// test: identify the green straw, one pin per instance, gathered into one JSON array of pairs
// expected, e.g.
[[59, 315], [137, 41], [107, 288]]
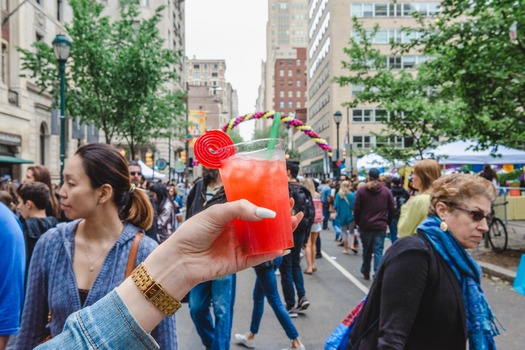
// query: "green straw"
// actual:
[[274, 133]]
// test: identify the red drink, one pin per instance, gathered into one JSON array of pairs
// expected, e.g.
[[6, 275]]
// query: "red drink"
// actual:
[[264, 182]]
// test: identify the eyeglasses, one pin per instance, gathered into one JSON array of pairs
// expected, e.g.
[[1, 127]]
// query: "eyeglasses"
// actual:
[[133, 173], [476, 215]]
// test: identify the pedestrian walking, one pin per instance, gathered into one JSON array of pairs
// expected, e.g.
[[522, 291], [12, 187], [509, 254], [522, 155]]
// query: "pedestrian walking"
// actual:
[[291, 274], [266, 286], [415, 210], [427, 292], [219, 293], [374, 209], [310, 250], [401, 196], [344, 209]]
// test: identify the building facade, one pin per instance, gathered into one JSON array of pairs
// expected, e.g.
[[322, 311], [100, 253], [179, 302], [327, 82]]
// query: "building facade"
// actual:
[[329, 32], [29, 126]]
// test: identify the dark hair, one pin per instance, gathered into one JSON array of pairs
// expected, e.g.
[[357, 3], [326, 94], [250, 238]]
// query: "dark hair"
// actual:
[[293, 166], [36, 192], [104, 164], [7, 199], [487, 172], [41, 174], [162, 194]]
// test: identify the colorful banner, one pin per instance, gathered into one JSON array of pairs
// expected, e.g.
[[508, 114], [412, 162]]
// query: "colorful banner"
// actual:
[[197, 127]]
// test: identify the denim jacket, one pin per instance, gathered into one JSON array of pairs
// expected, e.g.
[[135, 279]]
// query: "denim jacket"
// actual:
[[52, 286], [106, 325]]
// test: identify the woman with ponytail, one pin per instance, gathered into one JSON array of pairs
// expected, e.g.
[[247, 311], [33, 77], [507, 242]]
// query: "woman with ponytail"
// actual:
[[79, 262]]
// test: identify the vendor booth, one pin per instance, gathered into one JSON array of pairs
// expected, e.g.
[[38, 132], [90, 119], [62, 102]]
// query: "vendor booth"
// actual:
[[460, 154]]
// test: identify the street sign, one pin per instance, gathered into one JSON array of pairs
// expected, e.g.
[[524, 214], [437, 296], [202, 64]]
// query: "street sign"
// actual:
[[161, 163]]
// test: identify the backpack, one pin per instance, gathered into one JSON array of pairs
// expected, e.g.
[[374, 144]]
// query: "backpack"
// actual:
[[302, 202]]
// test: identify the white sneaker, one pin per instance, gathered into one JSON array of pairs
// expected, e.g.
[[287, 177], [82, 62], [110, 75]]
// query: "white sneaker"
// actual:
[[243, 340], [299, 348]]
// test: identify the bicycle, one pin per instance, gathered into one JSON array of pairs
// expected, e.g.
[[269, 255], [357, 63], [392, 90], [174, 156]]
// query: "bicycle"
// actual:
[[497, 234]]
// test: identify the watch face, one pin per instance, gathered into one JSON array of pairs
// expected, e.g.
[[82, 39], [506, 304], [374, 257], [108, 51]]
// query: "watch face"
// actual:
[[152, 291]]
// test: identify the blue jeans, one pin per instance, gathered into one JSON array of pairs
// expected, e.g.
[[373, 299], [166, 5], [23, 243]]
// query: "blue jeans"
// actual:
[[337, 229], [373, 242], [221, 293], [291, 274], [393, 230], [266, 286]]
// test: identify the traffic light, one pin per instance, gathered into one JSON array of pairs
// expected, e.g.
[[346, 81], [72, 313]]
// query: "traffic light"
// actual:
[[149, 159], [183, 156]]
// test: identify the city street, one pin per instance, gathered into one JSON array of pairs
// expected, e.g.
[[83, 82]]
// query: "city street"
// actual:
[[333, 291]]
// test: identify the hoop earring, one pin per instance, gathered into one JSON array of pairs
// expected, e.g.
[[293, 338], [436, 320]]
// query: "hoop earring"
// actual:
[[443, 226]]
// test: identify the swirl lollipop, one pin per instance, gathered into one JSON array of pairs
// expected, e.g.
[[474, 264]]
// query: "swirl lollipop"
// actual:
[[210, 148]]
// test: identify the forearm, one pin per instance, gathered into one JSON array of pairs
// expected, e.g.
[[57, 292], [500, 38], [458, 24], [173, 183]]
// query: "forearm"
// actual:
[[3, 341]]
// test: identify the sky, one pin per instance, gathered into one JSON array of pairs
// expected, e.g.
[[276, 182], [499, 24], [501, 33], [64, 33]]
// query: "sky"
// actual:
[[233, 30]]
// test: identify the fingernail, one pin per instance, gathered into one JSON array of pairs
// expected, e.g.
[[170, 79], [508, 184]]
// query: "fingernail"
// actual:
[[264, 213]]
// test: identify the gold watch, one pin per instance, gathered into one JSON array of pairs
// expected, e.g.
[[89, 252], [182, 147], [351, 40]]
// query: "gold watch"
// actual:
[[154, 292]]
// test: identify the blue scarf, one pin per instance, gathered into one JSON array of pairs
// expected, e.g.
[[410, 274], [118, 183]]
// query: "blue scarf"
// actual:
[[480, 319]]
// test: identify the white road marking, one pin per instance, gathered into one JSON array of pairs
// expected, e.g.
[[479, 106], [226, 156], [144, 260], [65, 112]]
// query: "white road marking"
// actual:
[[345, 273]]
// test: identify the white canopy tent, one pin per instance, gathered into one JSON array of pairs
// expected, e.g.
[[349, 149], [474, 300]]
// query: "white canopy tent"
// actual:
[[149, 173], [459, 152], [374, 160]]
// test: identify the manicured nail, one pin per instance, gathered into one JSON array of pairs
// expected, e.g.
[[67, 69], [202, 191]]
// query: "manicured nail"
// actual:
[[264, 213]]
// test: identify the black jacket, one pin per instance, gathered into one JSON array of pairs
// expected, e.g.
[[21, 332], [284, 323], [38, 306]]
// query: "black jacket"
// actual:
[[197, 199], [415, 302]]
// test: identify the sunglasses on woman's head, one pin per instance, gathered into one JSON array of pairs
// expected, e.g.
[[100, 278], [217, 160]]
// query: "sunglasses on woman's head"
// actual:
[[476, 215]]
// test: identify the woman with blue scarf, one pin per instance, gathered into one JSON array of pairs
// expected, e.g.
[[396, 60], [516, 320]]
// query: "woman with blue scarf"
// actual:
[[427, 292]]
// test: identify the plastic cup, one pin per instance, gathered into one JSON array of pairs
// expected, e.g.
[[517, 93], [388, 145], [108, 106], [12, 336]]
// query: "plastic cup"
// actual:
[[259, 175]]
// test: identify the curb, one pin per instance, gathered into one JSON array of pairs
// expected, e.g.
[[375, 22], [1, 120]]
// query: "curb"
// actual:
[[497, 271]]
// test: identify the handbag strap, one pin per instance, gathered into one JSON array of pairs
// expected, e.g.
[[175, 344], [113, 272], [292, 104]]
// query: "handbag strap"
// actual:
[[133, 253]]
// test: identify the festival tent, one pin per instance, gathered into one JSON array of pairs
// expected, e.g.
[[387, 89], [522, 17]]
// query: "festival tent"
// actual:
[[461, 152], [149, 173], [374, 160]]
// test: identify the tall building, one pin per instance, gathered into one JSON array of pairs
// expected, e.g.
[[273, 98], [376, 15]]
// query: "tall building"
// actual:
[[29, 128], [286, 32], [290, 83], [329, 31], [212, 101]]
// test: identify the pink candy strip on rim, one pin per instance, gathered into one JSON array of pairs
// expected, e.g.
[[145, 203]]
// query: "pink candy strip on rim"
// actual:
[[210, 148]]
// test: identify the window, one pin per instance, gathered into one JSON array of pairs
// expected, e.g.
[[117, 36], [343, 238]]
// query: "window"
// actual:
[[368, 10], [361, 141], [214, 74], [290, 94], [281, 94], [381, 115], [394, 62], [290, 104], [290, 73], [215, 66], [4, 63], [298, 83], [196, 74], [297, 62], [59, 10], [381, 10], [298, 104], [298, 94], [281, 104], [281, 73], [409, 62], [196, 66], [144, 3]]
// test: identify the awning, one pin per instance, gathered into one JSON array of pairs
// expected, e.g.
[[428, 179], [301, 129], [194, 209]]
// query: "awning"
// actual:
[[14, 160]]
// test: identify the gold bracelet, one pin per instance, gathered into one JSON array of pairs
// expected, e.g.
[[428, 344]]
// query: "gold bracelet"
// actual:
[[154, 292]]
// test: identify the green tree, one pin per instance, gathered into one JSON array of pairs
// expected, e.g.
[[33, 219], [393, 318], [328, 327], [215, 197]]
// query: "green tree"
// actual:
[[477, 62], [412, 111], [119, 75]]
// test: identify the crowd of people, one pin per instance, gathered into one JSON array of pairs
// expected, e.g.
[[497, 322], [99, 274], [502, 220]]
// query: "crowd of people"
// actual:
[[71, 252]]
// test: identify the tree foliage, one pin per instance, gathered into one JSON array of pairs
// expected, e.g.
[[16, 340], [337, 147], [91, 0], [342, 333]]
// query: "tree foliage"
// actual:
[[413, 111], [477, 62], [119, 75]]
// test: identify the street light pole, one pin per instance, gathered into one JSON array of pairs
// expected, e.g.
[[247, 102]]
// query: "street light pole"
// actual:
[[338, 116], [350, 143], [61, 49]]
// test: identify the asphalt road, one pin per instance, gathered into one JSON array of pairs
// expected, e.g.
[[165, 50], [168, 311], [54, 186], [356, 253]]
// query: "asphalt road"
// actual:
[[333, 290]]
